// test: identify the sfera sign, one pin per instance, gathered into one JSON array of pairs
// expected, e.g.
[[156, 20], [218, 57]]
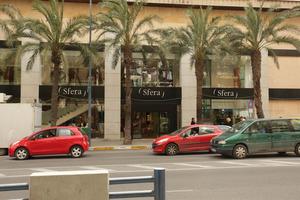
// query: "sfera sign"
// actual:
[[151, 92], [225, 93], [228, 93], [72, 92]]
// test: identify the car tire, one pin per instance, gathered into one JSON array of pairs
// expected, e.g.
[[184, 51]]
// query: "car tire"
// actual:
[[76, 151], [21, 153], [172, 149], [240, 151], [297, 149]]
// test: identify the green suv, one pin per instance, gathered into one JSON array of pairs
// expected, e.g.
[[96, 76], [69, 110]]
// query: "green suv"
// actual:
[[259, 136]]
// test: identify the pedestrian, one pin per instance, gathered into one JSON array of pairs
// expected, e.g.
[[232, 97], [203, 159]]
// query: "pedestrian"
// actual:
[[193, 121]]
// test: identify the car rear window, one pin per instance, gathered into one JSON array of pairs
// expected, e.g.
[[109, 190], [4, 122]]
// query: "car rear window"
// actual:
[[296, 124], [64, 132]]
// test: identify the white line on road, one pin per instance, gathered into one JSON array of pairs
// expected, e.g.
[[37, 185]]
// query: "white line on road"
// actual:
[[96, 168], [193, 165], [143, 166], [279, 162], [41, 170], [171, 191], [237, 163]]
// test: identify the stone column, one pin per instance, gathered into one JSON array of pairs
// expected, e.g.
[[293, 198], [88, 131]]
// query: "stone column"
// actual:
[[112, 97], [30, 78], [189, 90], [264, 82]]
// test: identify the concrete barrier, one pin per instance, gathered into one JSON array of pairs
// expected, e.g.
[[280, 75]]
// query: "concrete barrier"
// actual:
[[69, 185]]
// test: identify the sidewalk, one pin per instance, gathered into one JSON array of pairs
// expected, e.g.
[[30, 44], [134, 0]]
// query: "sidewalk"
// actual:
[[99, 144]]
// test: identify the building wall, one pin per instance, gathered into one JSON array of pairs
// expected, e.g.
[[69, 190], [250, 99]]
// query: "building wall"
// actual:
[[284, 108]]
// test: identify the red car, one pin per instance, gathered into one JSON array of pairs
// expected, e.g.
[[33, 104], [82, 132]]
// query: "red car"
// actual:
[[52, 140], [187, 139]]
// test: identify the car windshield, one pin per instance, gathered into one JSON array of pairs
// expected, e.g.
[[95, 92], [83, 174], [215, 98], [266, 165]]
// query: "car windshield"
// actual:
[[178, 131], [238, 126]]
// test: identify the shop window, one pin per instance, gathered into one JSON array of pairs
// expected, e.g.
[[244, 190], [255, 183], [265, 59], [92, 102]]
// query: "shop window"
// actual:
[[152, 72], [73, 71], [228, 72], [10, 69]]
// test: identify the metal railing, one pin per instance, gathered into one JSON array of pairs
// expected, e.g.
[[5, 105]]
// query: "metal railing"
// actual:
[[158, 192]]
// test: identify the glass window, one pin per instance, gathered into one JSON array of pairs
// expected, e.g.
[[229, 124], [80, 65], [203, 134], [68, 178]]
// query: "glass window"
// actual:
[[10, 69], [64, 132], [228, 72], [150, 71], [296, 124], [258, 127], [73, 71], [206, 130], [45, 134], [280, 126]]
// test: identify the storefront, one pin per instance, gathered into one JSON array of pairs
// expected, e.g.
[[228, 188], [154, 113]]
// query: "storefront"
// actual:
[[155, 111]]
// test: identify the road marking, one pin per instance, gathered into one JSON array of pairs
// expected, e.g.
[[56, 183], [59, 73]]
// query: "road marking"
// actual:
[[279, 162], [171, 191], [238, 163], [96, 168], [193, 165], [143, 166], [42, 170]]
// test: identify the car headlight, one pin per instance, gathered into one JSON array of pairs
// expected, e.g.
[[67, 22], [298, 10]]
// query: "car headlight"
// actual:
[[222, 142], [162, 140]]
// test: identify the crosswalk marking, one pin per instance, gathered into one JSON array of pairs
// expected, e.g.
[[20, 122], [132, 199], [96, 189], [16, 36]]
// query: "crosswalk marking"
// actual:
[[238, 163], [142, 166], [148, 167], [282, 162], [41, 170], [96, 168], [193, 165]]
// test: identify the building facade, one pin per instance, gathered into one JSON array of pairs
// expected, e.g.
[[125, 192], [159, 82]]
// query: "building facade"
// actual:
[[164, 94]]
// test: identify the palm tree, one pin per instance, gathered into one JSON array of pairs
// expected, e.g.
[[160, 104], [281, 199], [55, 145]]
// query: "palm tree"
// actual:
[[47, 36], [121, 20], [200, 38], [255, 31]]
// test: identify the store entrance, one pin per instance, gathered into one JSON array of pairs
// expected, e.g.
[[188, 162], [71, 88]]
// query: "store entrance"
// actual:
[[151, 124]]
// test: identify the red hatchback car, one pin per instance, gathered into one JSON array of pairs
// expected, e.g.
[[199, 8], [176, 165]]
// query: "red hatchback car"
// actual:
[[187, 139], [52, 140]]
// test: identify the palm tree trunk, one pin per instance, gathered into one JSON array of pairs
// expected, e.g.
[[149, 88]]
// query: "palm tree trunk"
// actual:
[[199, 67], [128, 91], [56, 60], [256, 72]]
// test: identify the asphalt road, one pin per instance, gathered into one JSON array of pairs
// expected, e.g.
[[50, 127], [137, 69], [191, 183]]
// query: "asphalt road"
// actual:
[[188, 177]]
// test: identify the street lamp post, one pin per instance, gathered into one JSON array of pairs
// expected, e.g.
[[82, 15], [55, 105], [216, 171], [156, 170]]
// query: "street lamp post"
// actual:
[[90, 77]]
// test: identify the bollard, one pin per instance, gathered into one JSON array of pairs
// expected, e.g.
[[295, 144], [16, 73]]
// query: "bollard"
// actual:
[[159, 184]]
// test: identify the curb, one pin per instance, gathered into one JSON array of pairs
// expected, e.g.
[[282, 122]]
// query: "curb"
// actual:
[[124, 147]]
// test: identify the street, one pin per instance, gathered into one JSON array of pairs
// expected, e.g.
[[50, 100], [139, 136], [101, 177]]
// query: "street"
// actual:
[[188, 176]]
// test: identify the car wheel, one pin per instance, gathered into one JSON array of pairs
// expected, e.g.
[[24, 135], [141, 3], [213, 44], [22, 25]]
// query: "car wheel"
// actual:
[[240, 152], [297, 149], [76, 151], [21, 153], [172, 149]]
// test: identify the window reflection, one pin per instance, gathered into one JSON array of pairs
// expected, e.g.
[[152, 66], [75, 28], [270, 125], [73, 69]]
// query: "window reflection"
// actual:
[[152, 72], [10, 69], [228, 72], [73, 71]]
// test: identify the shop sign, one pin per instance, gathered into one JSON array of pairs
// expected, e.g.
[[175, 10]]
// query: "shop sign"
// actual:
[[228, 93], [70, 91], [77, 92], [151, 92], [155, 94]]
